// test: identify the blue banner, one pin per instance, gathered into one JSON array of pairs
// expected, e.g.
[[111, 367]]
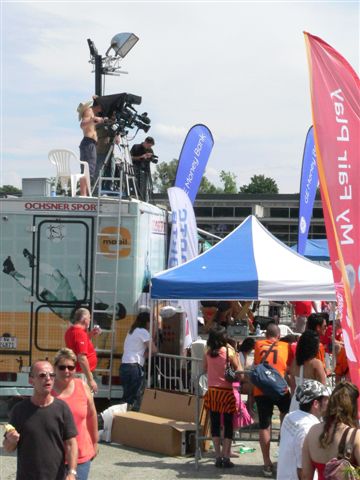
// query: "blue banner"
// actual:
[[193, 159], [308, 185]]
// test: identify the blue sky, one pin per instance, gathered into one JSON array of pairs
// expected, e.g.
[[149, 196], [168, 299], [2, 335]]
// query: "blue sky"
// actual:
[[238, 67]]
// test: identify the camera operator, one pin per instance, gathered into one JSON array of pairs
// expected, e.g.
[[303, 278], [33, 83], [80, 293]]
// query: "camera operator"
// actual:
[[88, 120], [142, 154]]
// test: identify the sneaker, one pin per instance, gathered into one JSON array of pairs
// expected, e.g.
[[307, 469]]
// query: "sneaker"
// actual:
[[8, 266], [219, 462], [227, 463], [268, 470], [30, 257]]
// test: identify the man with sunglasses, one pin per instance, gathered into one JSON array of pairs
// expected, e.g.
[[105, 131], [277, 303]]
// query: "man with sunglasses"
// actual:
[[43, 431]]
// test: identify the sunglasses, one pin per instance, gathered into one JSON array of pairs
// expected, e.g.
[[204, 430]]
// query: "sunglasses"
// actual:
[[43, 375], [71, 368]]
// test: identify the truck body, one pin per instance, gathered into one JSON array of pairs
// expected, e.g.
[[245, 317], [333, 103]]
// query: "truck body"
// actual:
[[48, 247]]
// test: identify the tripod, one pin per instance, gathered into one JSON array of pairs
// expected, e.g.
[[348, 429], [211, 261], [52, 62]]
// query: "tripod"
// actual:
[[115, 170]]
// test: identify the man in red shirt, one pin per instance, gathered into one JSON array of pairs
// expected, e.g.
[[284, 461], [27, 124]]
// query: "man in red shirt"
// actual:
[[301, 311], [78, 339]]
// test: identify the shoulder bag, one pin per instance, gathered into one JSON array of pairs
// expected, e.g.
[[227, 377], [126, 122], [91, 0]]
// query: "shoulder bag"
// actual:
[[268, 379], [229, 374], [340, 468]]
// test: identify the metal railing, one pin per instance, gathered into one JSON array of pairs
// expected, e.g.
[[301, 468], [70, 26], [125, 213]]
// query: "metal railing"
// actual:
[[175, 373], [182, 374]]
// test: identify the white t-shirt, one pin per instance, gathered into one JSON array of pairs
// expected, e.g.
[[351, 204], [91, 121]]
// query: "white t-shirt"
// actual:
[[293, 431], [134, 346]]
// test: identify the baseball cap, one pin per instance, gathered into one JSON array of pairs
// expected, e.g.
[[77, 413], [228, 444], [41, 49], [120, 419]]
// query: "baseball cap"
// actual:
[[310, 390]]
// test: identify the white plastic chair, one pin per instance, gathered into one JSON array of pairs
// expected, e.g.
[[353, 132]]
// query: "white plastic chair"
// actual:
[[285, 330], [66, 162]]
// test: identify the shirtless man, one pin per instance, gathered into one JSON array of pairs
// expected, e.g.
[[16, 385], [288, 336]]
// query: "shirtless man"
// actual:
[[88, 120]]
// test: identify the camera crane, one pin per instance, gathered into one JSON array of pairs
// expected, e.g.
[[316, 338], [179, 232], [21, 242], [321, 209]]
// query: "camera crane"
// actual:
[[123, 116], [116, 176]]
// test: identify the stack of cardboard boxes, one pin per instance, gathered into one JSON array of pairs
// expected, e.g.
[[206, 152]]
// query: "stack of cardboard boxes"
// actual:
[[165, 424]]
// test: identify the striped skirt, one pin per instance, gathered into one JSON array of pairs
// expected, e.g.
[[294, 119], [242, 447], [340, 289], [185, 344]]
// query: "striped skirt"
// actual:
[[220, 400]]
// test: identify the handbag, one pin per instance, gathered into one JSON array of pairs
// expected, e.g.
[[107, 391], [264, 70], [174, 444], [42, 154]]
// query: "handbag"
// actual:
[[341, 468], [268, 379], [229, 374]]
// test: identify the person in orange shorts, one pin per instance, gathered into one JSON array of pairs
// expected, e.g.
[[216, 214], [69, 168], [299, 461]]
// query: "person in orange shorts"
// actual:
[[265, 405]]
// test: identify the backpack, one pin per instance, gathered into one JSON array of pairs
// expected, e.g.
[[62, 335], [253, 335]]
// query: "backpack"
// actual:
[[340, 468], [268, 379]]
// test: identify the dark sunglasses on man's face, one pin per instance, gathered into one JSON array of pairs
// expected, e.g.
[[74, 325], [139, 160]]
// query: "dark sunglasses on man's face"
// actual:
[[43, 375], [71, 368]]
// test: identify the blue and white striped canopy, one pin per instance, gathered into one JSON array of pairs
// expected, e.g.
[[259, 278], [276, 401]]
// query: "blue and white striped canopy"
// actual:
[[249, 264]]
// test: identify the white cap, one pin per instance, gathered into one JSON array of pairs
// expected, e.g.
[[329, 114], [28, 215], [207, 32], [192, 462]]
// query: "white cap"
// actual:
[[167, 312]]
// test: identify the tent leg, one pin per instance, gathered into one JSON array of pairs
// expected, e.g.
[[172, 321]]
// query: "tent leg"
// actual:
[[152, 307]]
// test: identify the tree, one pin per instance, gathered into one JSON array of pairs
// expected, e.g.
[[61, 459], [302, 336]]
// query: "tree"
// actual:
[[9, 190], [207, 187], [229, 181], [165, 174], [260, 184]]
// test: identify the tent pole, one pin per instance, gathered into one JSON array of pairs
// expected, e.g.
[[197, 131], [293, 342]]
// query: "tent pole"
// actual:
[[152, 306]]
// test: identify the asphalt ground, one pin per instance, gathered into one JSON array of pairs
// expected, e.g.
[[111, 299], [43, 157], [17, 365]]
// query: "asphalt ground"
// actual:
[[116, 462]]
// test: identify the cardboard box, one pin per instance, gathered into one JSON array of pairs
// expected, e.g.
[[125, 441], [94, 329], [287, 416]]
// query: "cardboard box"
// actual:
[[173, 334], [165, 424]]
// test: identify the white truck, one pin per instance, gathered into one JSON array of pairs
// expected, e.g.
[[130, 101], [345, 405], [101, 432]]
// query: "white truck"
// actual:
[[61, 253]]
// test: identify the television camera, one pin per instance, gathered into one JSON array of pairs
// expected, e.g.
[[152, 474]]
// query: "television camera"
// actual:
[[121, 112]]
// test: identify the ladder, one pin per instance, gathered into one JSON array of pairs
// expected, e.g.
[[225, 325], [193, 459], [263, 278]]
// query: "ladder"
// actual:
[[123, 184]]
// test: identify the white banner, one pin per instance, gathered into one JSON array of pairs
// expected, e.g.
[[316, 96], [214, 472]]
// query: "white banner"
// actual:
[[183, 247]]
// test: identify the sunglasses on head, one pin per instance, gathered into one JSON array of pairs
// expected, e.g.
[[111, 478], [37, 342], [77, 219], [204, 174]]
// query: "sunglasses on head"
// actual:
[[71, 368], [43, 375]]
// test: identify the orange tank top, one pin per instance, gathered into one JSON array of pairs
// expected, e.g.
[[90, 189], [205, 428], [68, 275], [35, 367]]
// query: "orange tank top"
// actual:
[[278, 357], [78, 404]]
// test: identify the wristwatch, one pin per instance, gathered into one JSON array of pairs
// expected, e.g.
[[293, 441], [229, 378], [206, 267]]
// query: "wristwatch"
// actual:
[[73, 472]]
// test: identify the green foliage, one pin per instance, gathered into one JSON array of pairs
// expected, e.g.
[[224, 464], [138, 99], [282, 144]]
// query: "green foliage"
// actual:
[[164, 177], [207, 187], [260, 184], [9, 190], [229, 181], [165, 173]]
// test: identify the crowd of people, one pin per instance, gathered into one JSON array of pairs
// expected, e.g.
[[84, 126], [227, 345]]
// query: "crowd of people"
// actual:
[[55, 432], [315, 423], [308, 410], [60, 418]]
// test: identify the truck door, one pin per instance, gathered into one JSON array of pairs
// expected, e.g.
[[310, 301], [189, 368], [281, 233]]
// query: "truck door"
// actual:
[[62, 278]]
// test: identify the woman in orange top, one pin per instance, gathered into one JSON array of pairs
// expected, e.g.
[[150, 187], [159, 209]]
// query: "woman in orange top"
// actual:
[[306, 366], [342, 366], [77, 395]]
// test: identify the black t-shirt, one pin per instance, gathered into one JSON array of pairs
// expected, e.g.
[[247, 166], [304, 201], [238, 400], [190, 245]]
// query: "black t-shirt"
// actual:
[[136, 151], [40, 451]]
